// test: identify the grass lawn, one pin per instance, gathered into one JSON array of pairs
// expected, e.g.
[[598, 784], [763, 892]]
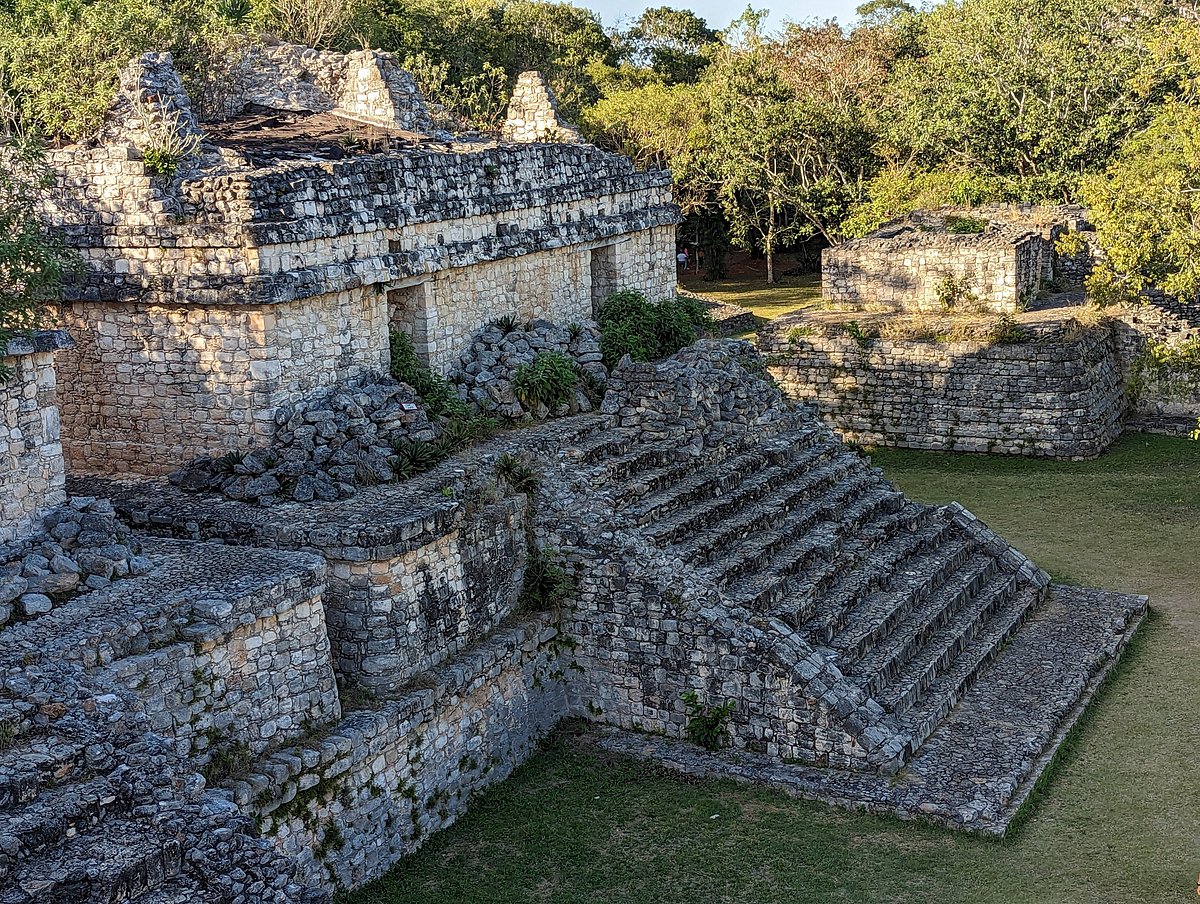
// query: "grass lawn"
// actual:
[[752, 291], [1120, 821]]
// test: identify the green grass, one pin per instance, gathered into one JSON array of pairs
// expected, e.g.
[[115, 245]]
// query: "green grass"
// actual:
[[791, 293], [1117, 822]]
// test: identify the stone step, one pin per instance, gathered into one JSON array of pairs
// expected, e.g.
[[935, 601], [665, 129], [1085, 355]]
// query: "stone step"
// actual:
[[964, 630], [770, 553], [114, 863], [180, 890], [711, 482], [781, 512], [38, 763], [918, 565], [653, 469], [55, 815], [712, 498], [601, 445], [941, 695], [900, 630]]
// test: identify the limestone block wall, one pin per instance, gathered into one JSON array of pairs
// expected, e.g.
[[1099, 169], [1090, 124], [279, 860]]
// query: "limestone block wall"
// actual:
[[380, 782], [148, 387], [902, 269], [1159, 345], [225, 646], [646, 632], [253, 672], [415, 577], [32, 478], [1057, 396], [563, 285], [398, 611]]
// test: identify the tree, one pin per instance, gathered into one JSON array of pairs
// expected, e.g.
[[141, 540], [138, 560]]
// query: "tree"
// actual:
[[1146, 206], [757, 154], [32, 259], [1037, 93], [673, 43], [59, 59]]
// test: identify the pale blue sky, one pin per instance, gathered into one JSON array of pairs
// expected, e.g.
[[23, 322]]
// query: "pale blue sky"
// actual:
[[720, 13]]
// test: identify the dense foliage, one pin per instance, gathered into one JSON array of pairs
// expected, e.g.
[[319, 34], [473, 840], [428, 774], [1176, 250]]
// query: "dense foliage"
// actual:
[[810, 134], [631, 324], [32, 260]]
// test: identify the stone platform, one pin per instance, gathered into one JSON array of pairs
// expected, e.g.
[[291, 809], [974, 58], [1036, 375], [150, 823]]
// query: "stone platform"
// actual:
[[977, 770]]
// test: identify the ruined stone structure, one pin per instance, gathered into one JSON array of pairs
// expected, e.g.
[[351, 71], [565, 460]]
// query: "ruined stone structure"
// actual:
[[1057, 393], [918, 264], [275, 262], [265, 697], [31, 462], [1043, 385]]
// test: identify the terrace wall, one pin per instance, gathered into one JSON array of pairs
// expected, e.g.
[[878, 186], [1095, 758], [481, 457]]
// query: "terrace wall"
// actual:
[[1056, 396]]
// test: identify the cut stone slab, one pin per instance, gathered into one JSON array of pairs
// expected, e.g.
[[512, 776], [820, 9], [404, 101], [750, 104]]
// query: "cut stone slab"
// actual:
[[978, 768]]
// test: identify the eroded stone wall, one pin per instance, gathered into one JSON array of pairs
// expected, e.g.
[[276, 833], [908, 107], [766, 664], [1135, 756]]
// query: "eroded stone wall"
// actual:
[[1053, 396], [349, 805], [905, 269], [148, 387], [395, 612], [1158, 341], [32, 477]]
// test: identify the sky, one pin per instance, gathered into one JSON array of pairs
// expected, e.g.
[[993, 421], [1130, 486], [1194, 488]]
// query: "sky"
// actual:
[[720, 13]]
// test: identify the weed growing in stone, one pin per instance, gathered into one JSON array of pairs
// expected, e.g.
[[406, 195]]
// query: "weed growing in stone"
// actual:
[[434, 389], [547, 584], [864, 336], [523, 478], [548, 380], [707, 724]]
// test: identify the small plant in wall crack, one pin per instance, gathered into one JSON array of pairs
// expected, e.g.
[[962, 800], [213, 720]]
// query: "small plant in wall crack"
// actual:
[[521, 477], [547, 584], [707, 724]]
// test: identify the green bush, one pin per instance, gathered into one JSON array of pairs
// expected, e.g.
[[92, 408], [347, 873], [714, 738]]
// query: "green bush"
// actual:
[[434, 389], [546, 585], [548, 380], [965, 225], [706, 724], [631, 324]]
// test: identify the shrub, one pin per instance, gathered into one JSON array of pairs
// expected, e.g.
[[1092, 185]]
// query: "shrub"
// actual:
[[631, 324], [965, 225], [434, 389], [546, 585], [548, 380], [1007, 331], [413, 456], [860, 334], [506, 323], [954, 293], [518, 475], [707, 725]]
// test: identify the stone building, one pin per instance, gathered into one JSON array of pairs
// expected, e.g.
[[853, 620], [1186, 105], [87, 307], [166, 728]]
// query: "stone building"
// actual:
[[931, 262], [323, 210]]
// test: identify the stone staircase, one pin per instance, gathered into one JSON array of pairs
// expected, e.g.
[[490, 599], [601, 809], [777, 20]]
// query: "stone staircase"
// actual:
[[908, 601]]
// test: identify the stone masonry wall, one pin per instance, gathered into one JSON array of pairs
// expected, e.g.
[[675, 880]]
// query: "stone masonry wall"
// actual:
[[1164, 388], [901, 269], [1055, 396], [394, 613], [349, 805], [32, 478], [148, 387]]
